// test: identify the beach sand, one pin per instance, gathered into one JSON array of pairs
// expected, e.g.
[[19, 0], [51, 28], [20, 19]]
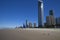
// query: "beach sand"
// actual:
[[30, 34]]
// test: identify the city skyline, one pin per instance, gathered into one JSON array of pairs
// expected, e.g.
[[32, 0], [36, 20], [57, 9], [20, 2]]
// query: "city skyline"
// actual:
[[14, 12]]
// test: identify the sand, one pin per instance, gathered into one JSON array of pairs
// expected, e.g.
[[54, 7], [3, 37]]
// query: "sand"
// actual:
[[30, 34]]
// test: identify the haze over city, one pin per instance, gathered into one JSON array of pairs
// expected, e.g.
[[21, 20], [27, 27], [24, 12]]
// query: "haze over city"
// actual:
[[15, 12]]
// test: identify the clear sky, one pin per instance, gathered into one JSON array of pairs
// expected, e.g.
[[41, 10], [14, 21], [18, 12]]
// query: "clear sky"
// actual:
[[14, 12]]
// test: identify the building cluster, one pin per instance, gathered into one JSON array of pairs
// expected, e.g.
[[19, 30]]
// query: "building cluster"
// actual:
[[51, 21], [29, 25]]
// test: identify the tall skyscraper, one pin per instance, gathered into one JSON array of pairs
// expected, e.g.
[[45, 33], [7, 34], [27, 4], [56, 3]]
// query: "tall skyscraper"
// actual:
[[40, 13]]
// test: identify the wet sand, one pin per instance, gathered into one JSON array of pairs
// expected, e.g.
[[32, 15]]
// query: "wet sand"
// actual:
[[30, 34]]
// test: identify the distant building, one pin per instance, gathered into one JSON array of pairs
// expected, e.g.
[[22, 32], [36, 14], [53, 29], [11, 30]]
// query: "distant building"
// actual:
[[51, 12], [45, 24], [50, 20], [26, 24], [30, 25], [34, 25], [40, 14], [58, 22]]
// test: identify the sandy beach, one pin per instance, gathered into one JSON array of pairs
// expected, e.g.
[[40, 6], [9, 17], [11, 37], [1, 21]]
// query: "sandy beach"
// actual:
[[30, 34]]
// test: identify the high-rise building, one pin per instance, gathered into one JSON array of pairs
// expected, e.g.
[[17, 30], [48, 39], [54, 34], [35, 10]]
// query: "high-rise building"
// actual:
[[23, 25], [58, 22], [30, 25], [34, 25], [26, 24], [51, 12], [50, 20], [40, 13]]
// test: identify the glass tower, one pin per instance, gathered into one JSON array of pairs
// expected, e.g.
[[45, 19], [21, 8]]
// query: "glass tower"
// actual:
[[40, 13]]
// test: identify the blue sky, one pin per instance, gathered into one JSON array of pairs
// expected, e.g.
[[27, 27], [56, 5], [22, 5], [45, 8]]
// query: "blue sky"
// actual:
[[14, 12]]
